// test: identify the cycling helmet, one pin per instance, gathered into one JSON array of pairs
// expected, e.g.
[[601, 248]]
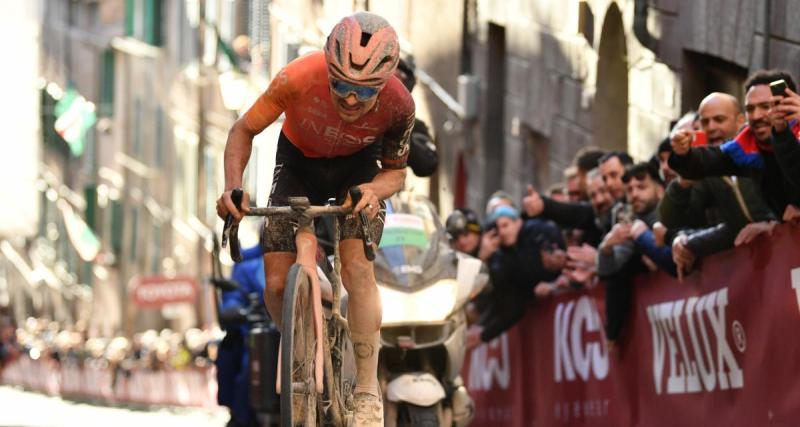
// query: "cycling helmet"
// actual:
[[461, 221], [362, 49]]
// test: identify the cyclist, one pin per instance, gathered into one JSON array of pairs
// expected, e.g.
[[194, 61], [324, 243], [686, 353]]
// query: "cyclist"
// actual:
[[337, 105]]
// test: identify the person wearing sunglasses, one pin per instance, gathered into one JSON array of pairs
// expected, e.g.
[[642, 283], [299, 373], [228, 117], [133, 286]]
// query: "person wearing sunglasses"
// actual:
[[348, 122]]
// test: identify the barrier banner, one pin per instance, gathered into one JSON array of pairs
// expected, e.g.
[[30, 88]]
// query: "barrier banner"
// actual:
[[720, 348], [195, 387]]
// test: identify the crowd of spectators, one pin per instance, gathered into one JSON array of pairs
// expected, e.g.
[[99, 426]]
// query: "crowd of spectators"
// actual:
[[49, 342], [724, 176]]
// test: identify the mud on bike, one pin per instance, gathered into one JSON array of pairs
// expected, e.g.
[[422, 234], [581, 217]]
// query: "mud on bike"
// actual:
[[316, 368]]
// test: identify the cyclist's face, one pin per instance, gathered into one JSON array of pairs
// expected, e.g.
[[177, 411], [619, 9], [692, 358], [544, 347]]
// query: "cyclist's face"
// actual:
[[351, 106]]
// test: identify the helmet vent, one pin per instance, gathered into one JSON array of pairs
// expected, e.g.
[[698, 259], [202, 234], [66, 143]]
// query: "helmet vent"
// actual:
[[386, 60], [365, 38], [354, 65]]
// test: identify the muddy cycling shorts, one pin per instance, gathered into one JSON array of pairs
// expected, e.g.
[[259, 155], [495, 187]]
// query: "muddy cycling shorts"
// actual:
[[319, 179]]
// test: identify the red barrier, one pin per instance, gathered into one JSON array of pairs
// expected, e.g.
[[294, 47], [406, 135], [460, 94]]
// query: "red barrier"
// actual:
[[718, 349], [195, 387]]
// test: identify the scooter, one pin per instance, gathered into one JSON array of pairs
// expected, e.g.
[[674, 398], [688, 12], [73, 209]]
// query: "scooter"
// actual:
[[424, 286]]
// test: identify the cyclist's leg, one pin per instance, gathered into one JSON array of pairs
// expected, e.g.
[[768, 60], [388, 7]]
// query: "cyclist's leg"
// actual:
[[364, 317], [277, 238], [363, 313], [364, 303]]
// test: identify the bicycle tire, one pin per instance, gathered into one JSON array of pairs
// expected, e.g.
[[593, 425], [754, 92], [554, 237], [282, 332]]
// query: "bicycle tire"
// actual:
[[298, 406]]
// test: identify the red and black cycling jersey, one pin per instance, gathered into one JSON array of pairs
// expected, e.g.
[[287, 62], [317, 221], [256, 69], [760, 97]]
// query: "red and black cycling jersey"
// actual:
[[301, 90]]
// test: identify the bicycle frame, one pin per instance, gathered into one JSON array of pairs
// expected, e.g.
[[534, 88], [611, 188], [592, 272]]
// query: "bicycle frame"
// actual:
[[306, 243]]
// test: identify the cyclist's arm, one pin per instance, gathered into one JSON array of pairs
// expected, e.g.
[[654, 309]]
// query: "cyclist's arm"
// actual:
[[394, 159], [267, 108]]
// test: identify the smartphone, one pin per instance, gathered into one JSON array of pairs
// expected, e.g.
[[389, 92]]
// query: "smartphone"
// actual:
[[700, 138], [778, 88]]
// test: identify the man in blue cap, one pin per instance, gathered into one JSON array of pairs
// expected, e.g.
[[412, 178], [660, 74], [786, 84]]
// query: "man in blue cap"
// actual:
[[521, 261]]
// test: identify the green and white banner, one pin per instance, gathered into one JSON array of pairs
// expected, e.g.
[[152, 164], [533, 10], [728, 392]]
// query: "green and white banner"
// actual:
[[74, 116]]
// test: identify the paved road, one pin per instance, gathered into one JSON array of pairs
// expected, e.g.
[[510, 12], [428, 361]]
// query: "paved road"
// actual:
[[20, 408]]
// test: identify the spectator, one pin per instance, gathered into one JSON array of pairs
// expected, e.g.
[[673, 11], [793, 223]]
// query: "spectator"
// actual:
[[576, 191], [586, 159], [233, 373], [619, 258], [612, 168], [662, 158], [644, 191], [499, 198], [591, 219], [766, 150], [713, 209], [464, 231], [522, 260], [422, 157], [558, 192]]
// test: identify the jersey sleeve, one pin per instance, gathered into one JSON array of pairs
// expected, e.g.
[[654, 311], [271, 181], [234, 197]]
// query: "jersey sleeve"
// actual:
[[274, 101], [397, 138]]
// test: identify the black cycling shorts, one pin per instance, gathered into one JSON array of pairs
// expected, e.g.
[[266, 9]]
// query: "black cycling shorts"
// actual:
[[319, 179]]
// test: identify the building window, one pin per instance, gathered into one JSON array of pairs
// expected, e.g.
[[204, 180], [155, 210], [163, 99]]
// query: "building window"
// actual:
[[143, 20], [259, 31], [158, 154], [703, 74], [213, 186], [187, 30], [106, 107], [136, 129], [134, 233], [185, 176], [116, 227], [155, 252], [586, 22]]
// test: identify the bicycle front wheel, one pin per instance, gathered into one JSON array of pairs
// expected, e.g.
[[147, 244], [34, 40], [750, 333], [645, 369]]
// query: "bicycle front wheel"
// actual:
[[298, 394]]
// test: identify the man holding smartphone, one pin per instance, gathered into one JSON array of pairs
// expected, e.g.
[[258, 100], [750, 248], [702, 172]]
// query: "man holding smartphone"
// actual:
[[753, 152], [710, 213]]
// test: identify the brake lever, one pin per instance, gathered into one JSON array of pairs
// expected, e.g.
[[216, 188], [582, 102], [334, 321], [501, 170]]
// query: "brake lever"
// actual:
[[230, 230], [369, 249]]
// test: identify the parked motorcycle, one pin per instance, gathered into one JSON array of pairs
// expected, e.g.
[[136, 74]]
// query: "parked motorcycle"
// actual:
[[263, 339], [424, 286]]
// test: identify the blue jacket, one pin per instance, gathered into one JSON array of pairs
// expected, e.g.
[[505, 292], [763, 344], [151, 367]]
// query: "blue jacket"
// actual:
[[233, 374], [249, 274]]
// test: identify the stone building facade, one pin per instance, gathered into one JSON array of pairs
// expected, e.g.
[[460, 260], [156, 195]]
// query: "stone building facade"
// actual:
[[613, 74]]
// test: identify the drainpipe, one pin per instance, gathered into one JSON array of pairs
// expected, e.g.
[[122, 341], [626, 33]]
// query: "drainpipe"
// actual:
[[640, 30], [767, 30]]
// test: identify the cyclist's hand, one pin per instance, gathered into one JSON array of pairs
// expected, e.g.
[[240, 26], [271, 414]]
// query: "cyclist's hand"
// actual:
[[369, 202], [226, 206]]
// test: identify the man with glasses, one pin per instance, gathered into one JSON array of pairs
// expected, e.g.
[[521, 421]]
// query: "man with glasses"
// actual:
[[756, 151], [338, 104]]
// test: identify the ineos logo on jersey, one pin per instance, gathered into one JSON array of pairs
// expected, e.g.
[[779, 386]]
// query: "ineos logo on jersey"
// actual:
[[694, 364], [333, 134], [573, 355]]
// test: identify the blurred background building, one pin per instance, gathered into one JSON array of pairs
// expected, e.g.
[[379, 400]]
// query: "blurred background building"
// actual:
[[119, 112]]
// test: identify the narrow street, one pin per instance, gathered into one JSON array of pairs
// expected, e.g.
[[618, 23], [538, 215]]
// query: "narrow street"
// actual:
[[25, 409]]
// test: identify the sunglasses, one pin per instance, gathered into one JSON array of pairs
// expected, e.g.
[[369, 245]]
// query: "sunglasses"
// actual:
[[344, 89]]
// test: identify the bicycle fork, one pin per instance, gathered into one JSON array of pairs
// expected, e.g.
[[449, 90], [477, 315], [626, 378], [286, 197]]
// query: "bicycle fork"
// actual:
[[306, 243], [306, 256]]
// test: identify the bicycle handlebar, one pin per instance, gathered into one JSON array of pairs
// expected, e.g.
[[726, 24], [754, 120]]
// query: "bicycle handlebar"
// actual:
[[299, 207]]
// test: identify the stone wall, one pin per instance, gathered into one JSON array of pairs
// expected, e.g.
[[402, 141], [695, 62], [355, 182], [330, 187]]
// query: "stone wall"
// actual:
[[558, 99]]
